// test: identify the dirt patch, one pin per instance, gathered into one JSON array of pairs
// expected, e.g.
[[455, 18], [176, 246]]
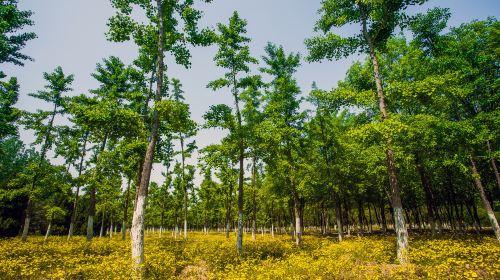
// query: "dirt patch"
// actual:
[[196, 271]]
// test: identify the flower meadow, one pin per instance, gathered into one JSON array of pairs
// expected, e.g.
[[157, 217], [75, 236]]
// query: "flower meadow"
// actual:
[[214, 257]]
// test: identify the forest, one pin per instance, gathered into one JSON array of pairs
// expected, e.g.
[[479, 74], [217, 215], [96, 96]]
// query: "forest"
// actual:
[[391, 174]]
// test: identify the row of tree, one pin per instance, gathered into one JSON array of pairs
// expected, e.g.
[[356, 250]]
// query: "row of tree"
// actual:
[[409, 138]]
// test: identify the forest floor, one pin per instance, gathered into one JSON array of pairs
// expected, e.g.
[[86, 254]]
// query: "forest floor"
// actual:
[[214, 257]]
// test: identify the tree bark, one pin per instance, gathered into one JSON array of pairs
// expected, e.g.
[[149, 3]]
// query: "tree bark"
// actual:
[[429, 196], [241, 155], [137, 230], [102, 224], [399, 221], [184, 186], [338, 217], [254, 203], [48, 232], [484, 199], [75, 201], [125, 211]]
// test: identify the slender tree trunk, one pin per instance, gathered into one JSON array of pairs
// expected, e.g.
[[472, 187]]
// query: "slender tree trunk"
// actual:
[[484, 199], [298, 221], [360, 217], [338, 217], [102, 224], [239, 240], [184, 186], [91, 210], [254, 203], [383, 217], [75, 201], [125, 211], [399, 221], [429, 197], [137, 230], [43, 152], [48, 232], [111, 227], [493, 164]]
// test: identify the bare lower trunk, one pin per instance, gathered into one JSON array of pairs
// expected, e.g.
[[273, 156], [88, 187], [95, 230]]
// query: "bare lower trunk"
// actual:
[[239, 240], [399, 222], [102, 225], [125, 211], [254, 203], [27, 219], [484, 199], [111, 228], [338, 217], [90, 227], [494, 165], [137, 233], [48, 232], [298, 222], [137, 230]]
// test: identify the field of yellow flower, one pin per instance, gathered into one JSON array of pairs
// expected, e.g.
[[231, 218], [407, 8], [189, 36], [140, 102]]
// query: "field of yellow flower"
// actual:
[[214, 257]]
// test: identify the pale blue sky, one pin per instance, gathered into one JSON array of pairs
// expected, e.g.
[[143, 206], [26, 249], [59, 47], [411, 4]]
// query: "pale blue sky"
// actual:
[[71, 34]]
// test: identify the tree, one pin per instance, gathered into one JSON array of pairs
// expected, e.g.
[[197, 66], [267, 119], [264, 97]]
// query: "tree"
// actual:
[[109, 115], [12, 20], [378, 21], [282, 125], [234, 55], [164, 31], [58, 84]]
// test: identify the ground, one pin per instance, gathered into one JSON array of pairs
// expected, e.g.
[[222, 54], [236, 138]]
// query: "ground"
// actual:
[[213, 257]]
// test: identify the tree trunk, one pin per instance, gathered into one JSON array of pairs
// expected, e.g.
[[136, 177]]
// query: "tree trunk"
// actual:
[[254, 203], [102, 224], [399, 221], [75, 202], [91, 214], [91, 210], [125, 211], [360, 217], [43, 152], [239, 240], [137, 230], [48, 232], [429, 197], [382, 217], [484, 199], [184, 186], [298, 221], [338, 217]]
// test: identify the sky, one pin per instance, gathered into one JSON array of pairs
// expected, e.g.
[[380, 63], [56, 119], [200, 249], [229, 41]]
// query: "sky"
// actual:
[[71, 34]]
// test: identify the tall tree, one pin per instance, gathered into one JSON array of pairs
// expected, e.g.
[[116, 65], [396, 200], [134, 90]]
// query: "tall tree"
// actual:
[[165, 31], [57, 84], [234, 55], [378, 19], [281, 129]]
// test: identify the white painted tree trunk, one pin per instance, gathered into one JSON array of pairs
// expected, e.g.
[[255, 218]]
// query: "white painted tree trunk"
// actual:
[[90, 228], [48, 232], [401, 235], [137, 231], [185, 228]]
